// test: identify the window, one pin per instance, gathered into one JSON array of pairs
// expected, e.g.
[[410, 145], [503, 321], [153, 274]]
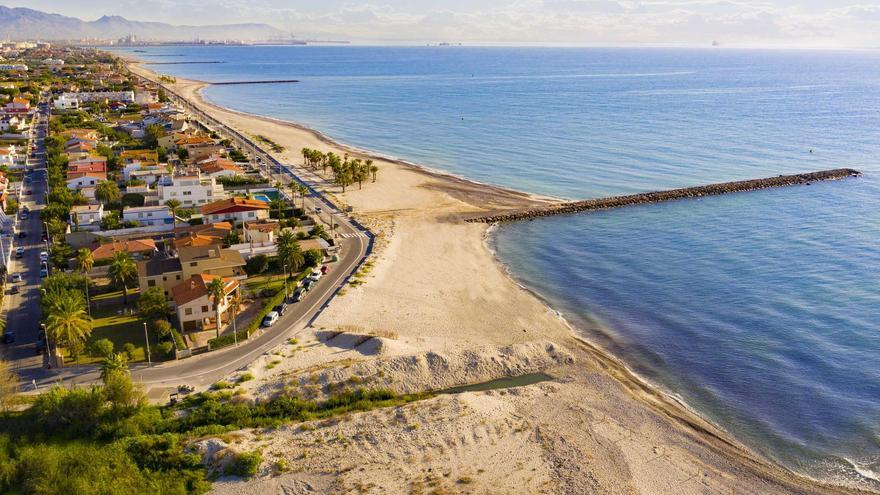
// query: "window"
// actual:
[[164, 278], [204, 309], [187, 193], [178, 277], [188, 311], [194, 263], [251, 214], [152, 283]]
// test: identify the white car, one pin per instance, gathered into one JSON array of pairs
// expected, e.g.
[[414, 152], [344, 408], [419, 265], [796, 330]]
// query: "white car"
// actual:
[[316, 274], [44, 256], [16, 277], [270, 319]]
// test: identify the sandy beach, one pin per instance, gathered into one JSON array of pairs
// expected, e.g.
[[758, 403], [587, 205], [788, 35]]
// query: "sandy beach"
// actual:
[[444, 312]]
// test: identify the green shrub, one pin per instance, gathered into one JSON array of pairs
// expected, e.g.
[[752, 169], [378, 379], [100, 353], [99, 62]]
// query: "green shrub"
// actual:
[[129, 349], [227, 340], [178, 339], [102, 348], [221, 385], [165, 350], [162, 328], [246, 464], [246, 377]]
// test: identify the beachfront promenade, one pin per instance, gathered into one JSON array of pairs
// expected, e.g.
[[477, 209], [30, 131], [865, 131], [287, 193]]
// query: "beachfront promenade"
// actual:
[[663, 196]]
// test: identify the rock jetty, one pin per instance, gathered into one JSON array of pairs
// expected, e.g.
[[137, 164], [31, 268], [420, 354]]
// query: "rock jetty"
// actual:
[[670, 195]]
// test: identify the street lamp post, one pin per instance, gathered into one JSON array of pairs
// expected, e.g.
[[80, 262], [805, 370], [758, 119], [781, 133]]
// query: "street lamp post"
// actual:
[[147, 339]]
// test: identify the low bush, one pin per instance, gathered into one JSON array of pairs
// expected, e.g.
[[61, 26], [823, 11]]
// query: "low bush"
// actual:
[[226, 340], [246, 464]]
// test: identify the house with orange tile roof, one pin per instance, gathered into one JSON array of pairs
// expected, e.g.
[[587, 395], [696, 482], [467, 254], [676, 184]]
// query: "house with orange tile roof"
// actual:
[[235, 209], [18, 105], [260, 232], [215, 166], [194, 304], [138, 249]]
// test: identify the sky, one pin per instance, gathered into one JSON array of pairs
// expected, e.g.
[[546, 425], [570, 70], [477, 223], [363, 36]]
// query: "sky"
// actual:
[[806, 23]]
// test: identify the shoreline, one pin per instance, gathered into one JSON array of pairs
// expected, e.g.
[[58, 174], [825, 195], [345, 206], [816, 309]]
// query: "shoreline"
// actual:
[[673, 408]]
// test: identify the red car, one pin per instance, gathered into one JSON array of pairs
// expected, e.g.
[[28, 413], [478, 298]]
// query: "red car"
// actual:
[[325, 269], [28, 192]]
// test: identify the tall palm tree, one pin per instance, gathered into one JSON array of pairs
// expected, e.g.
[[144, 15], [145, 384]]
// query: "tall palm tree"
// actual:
[[303, 191], [85, 262], [69, 326], [374, 170], [234, 307], [122, 271], [173, 205], [217, 290]]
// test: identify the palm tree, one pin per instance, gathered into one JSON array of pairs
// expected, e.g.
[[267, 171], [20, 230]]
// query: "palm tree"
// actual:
[[85, 262], [122, 271], [217, 290], [303, 191], [70, 326], [173, 205], [374, 170], [114, 363], [234, 307]]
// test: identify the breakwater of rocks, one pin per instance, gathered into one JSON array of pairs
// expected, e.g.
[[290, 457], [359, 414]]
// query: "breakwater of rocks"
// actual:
[[670, 195]]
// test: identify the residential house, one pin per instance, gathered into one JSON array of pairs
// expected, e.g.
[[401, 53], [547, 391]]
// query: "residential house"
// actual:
[[87, 179], [18, 105], [139, 249], [201, 235], [100, 96], [8, 156], [236, 209], [12, 123], [169, 141], [66, 102], [199, 147], [164, 273], [216, 166], [148, 215], [87, 217], [260, 232], [191, 190], [195, 306], [213, 260], [87, 165], [89, 134], [144, 157]]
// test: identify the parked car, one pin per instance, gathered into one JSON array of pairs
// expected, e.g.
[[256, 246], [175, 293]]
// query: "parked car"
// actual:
[[19, 252], [280, 309], [44, 256], [39, 347], [307, 284], [316, 275], [44, 273], [270, 319], [22, 234], [8, 337], [325, 269], [44, 237], [14, 289], [16, 278], [297, 295], [28, 192]]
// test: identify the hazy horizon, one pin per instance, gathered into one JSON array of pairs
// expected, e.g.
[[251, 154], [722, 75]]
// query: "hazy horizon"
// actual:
[[753, 23]]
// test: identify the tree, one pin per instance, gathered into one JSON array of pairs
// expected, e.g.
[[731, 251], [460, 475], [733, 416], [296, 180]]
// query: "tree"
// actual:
[[152, 304], [122, 271], [102, 347], [182, 153], [173, 205], [374, 170], [107, 192], [152, 134], [8, 384], [70, 326], [113, 363], [303, 191], [231, 238], [257, 264], [84, 260], [217, 291]]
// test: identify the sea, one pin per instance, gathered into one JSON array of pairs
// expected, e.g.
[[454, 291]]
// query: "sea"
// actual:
[[759, 310]]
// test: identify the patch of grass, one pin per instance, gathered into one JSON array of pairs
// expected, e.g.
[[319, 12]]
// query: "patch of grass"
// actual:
[[221, 385], [120, 329], [246, 377]]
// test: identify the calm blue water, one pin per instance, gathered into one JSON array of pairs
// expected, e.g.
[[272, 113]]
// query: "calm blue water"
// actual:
[[761, 309]]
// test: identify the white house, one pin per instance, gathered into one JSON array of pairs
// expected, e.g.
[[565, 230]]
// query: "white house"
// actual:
[[148, 215], [89, 179], [195, 305], [123, 96], [191, 190], [87, 217], [8, 156], [238, 210], [66, 101]]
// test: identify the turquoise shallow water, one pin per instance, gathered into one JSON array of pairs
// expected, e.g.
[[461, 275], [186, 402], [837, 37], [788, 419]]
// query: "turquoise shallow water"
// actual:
[[759, 309]]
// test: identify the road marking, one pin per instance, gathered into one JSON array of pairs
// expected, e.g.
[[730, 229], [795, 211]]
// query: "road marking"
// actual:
[[349, 235]]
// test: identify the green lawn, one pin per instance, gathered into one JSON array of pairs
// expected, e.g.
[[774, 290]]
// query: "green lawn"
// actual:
[[260, 282], [107, 323]]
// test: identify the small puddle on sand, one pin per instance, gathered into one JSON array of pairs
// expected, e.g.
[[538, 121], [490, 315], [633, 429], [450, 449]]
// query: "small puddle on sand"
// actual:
[[507, 382]]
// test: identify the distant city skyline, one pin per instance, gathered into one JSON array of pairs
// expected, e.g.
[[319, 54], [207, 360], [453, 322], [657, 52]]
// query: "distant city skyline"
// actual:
[[803, 23]]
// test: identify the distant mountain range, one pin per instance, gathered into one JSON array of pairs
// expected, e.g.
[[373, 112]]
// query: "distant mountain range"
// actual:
[[29, 24]]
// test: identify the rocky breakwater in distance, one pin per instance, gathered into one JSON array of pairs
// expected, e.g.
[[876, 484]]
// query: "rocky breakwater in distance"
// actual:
[[659, 196]]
